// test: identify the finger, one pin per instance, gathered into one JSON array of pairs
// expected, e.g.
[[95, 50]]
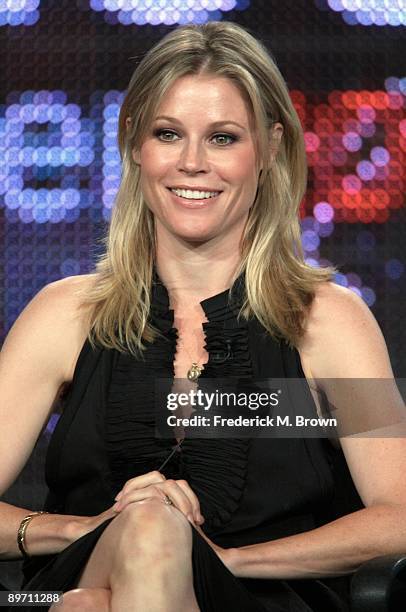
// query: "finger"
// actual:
[[178, 496], [136, 495], [168, 488], [139, 482], [184, 485]]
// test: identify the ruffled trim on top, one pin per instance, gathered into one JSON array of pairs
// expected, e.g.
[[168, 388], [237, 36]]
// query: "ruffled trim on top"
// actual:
[[132, 445], [216, 469]]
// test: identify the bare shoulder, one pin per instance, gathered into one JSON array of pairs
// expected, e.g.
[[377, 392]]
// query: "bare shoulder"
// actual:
[[342, 337], [56, 319], [36, 361], [334, 304], [58, 304], [70, 288]]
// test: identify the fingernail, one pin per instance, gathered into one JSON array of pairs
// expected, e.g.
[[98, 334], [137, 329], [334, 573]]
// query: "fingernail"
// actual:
[[116, 506], [117, 497]]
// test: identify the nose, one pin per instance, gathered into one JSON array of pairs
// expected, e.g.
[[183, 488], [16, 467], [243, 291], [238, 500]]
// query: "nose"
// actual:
[[193, 157]]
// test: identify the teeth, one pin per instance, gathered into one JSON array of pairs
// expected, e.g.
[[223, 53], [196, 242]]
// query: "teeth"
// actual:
[[195, 195]]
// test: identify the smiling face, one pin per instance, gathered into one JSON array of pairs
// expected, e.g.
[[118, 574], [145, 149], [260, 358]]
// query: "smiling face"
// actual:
[[201, 139]]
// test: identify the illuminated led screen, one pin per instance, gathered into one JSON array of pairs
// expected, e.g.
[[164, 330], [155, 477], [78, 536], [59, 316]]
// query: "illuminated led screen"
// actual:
[[67, 65], [368, 12]]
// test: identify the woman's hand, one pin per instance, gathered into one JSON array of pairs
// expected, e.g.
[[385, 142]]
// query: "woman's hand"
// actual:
[[79, 526], [147, 486], [154, 484]]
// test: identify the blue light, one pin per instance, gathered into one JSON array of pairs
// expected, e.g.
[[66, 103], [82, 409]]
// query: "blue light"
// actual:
[[40, 113], [326, 229], [392, 84], [25, 215], [70, 198], [324, 212], [364, 18], [354, 280], [70, 126], [52, 424], [380, 156], [394, 269], [27, 154], [368, 295], [356, 290], [308, 223], [369, 12], [11, 199], [31, 18], [97, 5], [13, 111], [310, 240], [168, 12], [340, 279], [312, 262], [366, 170], [56, 113], [70, 267], [352, 141]]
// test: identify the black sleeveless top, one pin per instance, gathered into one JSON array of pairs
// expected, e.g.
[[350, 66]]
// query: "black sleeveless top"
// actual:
[[250, 489]]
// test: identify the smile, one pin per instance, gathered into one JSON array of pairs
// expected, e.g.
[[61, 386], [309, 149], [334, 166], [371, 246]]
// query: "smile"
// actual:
[[194, 199], [194, 194]]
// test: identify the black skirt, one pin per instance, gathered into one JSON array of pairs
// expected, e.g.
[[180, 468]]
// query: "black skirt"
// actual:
[[216, 588]]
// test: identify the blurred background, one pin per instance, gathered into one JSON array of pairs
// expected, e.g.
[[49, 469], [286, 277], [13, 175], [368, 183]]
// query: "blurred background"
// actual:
[[65, 65]]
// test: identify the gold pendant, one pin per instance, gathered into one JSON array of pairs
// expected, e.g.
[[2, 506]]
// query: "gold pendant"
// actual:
[[194, 372]]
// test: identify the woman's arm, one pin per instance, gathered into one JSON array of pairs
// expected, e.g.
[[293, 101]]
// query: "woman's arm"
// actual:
[[343, 341], [335, 549], [46, 534], [37, 358]]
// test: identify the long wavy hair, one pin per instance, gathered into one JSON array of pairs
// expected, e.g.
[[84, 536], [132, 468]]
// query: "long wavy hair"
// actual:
[[280, 286]]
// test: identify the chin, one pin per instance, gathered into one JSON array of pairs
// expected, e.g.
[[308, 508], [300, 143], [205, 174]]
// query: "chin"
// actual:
[[192, 234], [194, 238]]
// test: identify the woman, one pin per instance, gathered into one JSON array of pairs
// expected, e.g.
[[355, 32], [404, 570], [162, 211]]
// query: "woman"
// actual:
[[213, 174]]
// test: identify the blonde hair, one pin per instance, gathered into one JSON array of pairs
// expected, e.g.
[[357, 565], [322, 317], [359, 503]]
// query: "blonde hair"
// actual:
[[280, 286]]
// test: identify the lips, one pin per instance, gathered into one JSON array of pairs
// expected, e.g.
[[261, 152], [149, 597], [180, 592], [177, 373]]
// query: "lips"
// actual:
[[197, 188], [193, 202]]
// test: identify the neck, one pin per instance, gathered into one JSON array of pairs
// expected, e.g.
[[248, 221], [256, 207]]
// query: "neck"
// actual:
[[193, 274]]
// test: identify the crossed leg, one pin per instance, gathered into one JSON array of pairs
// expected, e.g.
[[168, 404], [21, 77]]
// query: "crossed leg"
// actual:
[[142, 561]]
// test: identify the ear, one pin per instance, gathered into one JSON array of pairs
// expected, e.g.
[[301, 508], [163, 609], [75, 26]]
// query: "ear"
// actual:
[[136, 156], [275, 137], [135, 152]]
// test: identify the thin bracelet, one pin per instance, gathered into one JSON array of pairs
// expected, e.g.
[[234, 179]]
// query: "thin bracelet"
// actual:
[[23, 528]]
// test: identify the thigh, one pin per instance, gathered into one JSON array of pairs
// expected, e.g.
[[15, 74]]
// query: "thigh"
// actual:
[[84, 600]]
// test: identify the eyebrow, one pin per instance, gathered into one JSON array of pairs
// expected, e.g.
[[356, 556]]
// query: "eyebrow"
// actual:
[[214, 124]]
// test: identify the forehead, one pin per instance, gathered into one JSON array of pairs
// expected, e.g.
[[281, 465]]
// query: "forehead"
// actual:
[[212, 97]]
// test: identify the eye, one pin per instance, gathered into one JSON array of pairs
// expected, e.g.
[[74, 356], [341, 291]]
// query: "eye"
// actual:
[[159, 133], [165, 135], [233, 138]]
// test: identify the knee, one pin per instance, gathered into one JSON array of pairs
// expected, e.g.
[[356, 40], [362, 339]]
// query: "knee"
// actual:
[[84, 600], [153, 516], [153, 528]]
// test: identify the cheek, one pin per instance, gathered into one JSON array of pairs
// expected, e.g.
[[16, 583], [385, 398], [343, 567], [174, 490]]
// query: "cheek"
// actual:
[[242, 167], [154, 160]]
